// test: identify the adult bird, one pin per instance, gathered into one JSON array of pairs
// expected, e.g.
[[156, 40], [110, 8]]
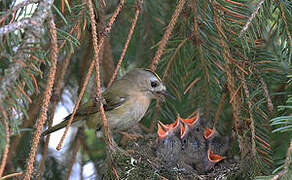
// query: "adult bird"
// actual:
[[125, 102]]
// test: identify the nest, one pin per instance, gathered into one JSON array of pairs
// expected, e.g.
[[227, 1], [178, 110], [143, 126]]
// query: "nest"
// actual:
[[138, 160]]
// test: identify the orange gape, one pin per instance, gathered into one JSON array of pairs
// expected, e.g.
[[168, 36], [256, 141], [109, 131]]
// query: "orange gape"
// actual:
[[214, 157], [186, 141], [208, 132]]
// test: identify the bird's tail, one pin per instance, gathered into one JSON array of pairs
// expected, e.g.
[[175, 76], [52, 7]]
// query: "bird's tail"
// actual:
[[58, 126]]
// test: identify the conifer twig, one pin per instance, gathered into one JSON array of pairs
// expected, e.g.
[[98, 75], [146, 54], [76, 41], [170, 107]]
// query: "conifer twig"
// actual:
[[97, 47], [173, 56], [267, 94], [73, 157], [230, 81], [166, 35], [252, 125], [107, 29], [138, 9], [46, 100], [56, 93], [33, 32]]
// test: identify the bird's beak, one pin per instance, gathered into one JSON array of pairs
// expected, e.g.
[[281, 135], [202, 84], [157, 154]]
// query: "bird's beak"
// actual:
[[166, 93]]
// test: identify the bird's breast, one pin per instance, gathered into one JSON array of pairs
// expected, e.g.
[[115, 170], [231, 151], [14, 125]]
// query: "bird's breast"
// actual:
[[129, 113]]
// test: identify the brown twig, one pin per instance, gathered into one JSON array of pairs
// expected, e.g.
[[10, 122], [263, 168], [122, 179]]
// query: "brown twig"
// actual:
[[11, 175], [48, 91], [267, 94], [89, 73], [138, 9], [173, 57], [7, 136], [192, 84], [230, 80], [166, 35], [32, 114], [24, 94], [114, 16], [73, 157], [115, 172], [76, 105], [162, 45], [97, 48], [57, 93], [252, 125]]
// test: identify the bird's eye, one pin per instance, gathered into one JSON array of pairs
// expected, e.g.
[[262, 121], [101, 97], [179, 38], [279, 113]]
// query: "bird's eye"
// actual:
[[154, 84]]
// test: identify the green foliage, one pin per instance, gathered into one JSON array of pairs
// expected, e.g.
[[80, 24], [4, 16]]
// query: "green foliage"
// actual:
[[194, 65]]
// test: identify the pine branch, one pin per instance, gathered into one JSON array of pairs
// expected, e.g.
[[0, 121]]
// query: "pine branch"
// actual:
[[33, 32]]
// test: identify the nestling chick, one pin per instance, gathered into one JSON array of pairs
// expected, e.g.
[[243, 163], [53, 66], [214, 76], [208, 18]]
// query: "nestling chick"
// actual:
[[169, 143], [194, 147], [193, 142], [125, 102], [219, 144]]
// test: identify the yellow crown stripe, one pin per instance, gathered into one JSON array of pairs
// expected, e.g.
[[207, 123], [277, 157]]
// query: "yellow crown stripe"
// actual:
[[153, 73]]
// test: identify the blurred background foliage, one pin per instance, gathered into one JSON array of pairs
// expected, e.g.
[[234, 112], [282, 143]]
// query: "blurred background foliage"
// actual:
[[230, 59]]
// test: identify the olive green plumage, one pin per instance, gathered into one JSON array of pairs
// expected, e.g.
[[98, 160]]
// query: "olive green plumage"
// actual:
[[125, 102]]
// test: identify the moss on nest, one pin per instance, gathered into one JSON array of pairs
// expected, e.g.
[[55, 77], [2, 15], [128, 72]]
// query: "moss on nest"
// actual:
[[138, 160]]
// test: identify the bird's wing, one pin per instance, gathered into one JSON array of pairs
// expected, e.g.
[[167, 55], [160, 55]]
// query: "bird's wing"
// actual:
[[112, 101], [112, 98]]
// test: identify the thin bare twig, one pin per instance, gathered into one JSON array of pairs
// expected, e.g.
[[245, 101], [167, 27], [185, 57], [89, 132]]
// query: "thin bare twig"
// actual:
[[76, 105], [174, 55], [57, 93], [46, 100], [73, 158], [107, 29], [127, 42], [11, 175], [192, 84], [230, 80], [114, 16], [166, 35], [97, 48]]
